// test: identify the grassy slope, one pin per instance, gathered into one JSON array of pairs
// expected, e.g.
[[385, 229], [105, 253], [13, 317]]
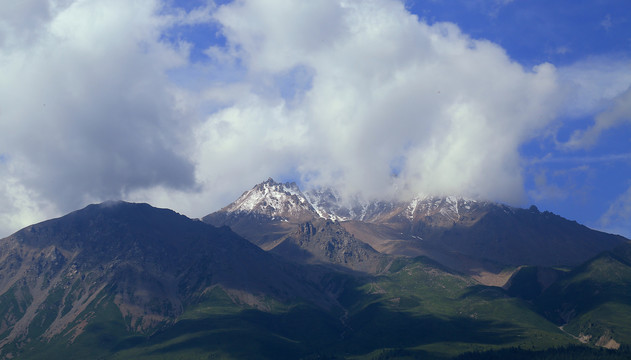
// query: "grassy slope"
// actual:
[[105, 333], [594, 300], [418, 306], [218, 328]]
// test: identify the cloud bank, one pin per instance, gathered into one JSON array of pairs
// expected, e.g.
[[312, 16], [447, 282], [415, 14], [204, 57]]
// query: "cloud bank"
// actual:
[[365, 97], [100, 100], [87, 109]]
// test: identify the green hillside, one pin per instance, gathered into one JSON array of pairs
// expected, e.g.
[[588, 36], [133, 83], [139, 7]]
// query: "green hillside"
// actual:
[[428, 310], [593, 302], [418, 307]]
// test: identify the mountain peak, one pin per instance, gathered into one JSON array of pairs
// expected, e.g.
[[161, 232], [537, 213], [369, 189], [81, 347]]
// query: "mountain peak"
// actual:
[[285, 201], [146, 262], [450, 208], [276, 200]]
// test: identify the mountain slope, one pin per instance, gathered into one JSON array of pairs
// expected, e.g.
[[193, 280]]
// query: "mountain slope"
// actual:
[[326, 242], [432, 312], [265, 213], [128, 281], [144, 266], [477, 237], [593, 301]]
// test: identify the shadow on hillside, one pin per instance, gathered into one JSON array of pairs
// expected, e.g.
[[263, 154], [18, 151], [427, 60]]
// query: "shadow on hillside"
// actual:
[[306, 331], [560, 303], [484, 292], [252, 333], [379, 327]]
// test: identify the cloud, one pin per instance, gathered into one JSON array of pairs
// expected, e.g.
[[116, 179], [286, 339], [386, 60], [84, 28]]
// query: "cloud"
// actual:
[[86, 107], [607, 158], [20, 206], [598, 88], [544, 189], [606, 23], [390, 103], [590, 86], [101, 100], [619, 113], [618, 217]]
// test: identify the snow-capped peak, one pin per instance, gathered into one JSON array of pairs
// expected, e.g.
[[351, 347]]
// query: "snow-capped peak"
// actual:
[[273, 199], [450, 207], [286, 201], [327, 204]]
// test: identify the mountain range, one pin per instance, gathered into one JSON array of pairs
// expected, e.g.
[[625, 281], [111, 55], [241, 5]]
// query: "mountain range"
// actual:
[[282, 273], [477, 237]]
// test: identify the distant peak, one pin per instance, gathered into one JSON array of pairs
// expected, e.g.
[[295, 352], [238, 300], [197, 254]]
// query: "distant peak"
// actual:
[[119, 204], [111, 203], [273, 199], [287, 201], [270, 185]]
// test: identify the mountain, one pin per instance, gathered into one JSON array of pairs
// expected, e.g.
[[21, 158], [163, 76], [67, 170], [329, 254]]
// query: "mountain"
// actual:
[[273, 200], [326, 242], [593, 300], [132, 269], [453, 228], [266, 213], [477, 237], [129, 281]]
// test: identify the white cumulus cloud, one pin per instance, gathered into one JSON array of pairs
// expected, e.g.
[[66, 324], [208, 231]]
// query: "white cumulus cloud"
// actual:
[[87, 111], [389, 102], [99, 100]]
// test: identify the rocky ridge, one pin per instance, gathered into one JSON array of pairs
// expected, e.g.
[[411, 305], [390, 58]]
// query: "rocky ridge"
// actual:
[[286, 202], [465, 234], [326, 242]]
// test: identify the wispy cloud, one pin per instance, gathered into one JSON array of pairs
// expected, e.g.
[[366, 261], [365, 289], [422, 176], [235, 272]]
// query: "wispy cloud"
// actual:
[[546, 190], [593, 85], [617, 218], [619, 113], [606, 23], [550, 158]]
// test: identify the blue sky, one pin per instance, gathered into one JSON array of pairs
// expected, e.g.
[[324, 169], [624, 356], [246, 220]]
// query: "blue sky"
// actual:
[[186, 104]]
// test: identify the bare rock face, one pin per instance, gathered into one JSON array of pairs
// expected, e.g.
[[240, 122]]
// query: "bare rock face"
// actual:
[[138, 264], [327, 242]]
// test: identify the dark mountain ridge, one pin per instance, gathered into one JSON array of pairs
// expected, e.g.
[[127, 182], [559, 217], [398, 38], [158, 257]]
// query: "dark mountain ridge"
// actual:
[[148, 263]]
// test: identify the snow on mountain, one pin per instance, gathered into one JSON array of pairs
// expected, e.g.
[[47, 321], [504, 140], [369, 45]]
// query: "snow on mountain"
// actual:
[[450, 207], [286, 201], [448, 229], [276, 200], [329, 204]]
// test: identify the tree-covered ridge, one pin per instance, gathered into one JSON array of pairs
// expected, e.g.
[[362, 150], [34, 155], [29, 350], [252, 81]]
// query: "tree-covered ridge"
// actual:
[[561, 353]]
